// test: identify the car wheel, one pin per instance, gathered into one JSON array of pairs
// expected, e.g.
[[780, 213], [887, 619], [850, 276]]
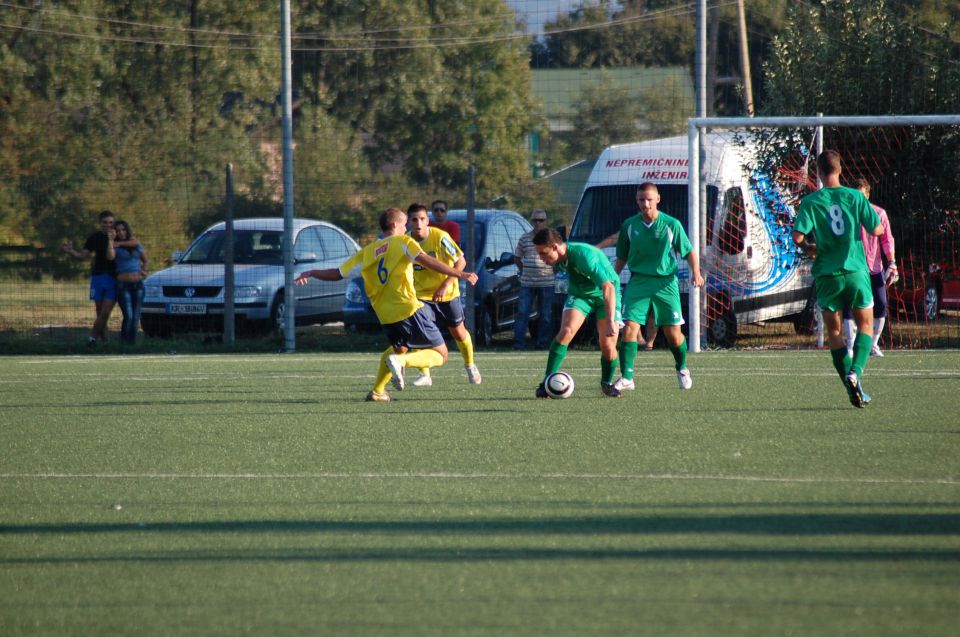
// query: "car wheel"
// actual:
[[278, 312], [931, 304], [484, 328], [723, 329]]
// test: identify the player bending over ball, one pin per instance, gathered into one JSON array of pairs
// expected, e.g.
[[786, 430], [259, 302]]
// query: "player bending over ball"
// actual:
[[441, 292], [593, 288], [387, 269], [649, 244], [834, 215]]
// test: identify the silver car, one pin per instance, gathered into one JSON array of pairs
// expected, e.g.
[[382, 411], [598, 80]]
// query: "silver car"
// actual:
[[189, 295]]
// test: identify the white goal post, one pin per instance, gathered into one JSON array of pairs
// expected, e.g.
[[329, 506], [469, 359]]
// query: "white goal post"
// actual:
[[697, 213]]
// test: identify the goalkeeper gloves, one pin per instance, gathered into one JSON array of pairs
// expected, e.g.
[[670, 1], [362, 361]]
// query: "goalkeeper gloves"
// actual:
[[891, 275]]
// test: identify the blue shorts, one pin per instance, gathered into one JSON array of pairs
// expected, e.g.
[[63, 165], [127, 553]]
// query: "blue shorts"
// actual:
[[447, 313], [103, 287], [418, 331]]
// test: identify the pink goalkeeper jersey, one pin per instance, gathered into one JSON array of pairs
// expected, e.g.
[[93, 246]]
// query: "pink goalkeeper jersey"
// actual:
[[874, 247]]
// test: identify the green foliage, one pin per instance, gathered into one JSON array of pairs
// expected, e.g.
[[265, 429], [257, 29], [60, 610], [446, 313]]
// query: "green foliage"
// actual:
[[869, 57], [433, 105]]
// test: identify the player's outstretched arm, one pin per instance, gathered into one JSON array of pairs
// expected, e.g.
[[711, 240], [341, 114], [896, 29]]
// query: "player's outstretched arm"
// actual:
[[329, 274], [696, 278], [438, 266]]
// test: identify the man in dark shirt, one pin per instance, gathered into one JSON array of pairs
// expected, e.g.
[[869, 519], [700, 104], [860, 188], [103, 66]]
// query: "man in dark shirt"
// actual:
[[103, 282]]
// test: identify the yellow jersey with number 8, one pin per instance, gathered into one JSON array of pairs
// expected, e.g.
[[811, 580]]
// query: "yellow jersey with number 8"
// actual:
[[386, 266], [439, 245]]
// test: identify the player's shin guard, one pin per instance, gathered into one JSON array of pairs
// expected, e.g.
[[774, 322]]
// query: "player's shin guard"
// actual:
[[841, 361], [383, 374], [466, 349], [423, 358], [680, 354], [861, 352], [607, 370], [555, 358], [628, 357]]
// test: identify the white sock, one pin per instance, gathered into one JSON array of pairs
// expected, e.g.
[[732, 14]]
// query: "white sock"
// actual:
[[849, 333], [877, 329]]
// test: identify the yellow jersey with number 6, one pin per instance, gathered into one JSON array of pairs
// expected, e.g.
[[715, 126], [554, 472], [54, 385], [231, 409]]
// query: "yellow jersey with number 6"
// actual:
[[386, 266]]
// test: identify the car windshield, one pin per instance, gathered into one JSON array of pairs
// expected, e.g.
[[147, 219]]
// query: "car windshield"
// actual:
[[603, 209], [250, 247]]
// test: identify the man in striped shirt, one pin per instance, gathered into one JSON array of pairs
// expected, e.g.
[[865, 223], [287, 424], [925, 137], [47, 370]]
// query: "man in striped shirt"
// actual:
[[536, 284]]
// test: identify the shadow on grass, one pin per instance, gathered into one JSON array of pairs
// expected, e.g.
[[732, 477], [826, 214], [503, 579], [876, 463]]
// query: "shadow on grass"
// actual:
[[783, 524]]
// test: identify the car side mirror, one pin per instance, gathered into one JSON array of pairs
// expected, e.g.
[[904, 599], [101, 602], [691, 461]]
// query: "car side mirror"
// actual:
[[176, 255]]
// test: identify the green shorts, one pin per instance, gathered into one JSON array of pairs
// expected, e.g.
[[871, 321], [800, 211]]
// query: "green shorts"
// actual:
[[850, 289], [661, 293], [586, 305]]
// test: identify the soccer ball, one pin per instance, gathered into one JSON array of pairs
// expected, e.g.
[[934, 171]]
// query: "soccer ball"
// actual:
[[559, 385]]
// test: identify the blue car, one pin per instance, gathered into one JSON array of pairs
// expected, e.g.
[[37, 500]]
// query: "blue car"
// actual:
[[497, 293]]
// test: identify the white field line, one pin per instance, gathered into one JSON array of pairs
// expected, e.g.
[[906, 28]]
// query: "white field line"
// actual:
[[442, 475]]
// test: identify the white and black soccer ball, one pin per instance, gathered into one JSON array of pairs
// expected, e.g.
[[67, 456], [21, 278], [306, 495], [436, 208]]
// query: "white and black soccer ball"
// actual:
[[559, 385]]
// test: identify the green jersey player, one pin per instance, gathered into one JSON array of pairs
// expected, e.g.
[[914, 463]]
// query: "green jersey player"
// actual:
[[649, 245], [834, 215], [594, 287]]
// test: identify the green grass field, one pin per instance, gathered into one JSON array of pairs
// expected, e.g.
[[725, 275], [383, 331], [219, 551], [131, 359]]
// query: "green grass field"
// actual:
[[260, 495]]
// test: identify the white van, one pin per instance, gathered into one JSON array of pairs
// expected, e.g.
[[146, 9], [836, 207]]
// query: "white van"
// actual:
[[753, 270]]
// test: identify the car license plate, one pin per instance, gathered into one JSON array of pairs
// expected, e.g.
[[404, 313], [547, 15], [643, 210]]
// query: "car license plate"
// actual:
[[186, 308]]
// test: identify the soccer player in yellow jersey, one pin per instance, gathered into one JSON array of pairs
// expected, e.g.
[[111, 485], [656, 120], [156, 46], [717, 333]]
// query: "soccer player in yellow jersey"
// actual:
[[440, 291], [387, 269]]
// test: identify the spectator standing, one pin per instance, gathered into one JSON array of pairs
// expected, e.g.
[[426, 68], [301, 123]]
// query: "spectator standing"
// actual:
[[875, 250], [452, 228], [536, 285], [131, 266], [103, 283]]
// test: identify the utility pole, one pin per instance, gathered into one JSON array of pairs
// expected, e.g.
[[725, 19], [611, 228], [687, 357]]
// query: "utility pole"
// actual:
[[745, 59]]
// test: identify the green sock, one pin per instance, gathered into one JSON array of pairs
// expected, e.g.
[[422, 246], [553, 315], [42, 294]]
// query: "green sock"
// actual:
[[861, 353], [555, 358], [841, 361], [628, 357], [680, 354], [607, 369]]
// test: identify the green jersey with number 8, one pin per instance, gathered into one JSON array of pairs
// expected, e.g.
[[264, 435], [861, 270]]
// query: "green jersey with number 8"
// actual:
[[834, 217]]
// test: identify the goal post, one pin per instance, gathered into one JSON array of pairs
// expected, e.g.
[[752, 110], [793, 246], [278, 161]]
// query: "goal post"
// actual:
[[700, 219]]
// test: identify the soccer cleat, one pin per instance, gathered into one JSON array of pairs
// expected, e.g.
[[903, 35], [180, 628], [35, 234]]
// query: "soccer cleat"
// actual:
[[625, 385], [876, 351], [541, 392], [684, 378], [377, 397], [473, 374], [395, 365], [854, 390], [610, 390], [424, 380]]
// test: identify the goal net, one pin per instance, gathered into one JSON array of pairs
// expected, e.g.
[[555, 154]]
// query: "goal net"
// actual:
[[746, 178]]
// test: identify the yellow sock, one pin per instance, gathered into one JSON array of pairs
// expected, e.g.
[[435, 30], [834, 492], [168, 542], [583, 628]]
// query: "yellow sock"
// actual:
[[383, 374], [422, 358], [466, 349]]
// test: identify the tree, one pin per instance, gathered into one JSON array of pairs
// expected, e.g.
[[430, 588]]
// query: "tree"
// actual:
[[872, 57], [428, 87]]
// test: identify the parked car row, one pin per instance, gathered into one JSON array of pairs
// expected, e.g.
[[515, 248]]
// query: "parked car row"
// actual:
[[189, 296]]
